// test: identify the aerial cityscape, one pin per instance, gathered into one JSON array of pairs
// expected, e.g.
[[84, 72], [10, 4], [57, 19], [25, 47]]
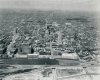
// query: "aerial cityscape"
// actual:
[[48, 38], [38, 42]]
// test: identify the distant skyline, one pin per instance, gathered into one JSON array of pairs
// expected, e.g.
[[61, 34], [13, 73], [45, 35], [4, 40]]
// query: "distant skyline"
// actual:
[[72, 5]]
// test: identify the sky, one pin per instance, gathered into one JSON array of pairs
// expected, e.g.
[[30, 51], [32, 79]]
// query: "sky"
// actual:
[[72, 5]]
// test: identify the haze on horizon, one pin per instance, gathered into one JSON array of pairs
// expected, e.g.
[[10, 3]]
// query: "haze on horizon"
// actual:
[[71, 5]]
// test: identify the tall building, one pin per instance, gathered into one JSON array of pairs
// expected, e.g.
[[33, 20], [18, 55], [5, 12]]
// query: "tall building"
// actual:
[[46, 33], [15, 35], [59, 40]]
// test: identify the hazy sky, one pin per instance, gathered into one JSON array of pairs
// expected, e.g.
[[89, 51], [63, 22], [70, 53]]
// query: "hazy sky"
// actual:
[[76, 5]]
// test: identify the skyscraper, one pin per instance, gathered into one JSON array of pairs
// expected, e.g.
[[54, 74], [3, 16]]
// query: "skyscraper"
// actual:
[[59, 40]]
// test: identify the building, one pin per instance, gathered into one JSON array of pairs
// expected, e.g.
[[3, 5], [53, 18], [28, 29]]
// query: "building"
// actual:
[[59, 40]]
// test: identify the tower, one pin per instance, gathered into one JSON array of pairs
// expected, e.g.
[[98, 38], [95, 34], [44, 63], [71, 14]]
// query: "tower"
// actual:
[[59, 40], [15, 35], [46, 31]]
